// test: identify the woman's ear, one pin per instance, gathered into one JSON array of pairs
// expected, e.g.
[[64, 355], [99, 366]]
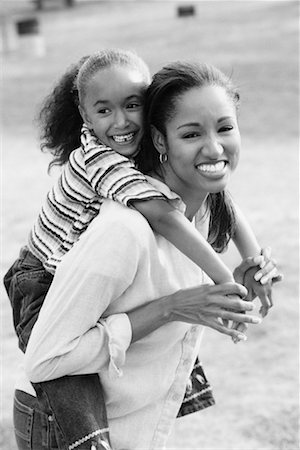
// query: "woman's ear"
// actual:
[[158, 140], [84, 115]]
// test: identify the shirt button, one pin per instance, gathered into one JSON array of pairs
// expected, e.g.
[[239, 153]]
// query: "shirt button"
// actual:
[[175, 397]]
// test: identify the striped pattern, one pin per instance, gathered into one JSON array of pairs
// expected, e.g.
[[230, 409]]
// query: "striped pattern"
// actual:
[[92, 173]]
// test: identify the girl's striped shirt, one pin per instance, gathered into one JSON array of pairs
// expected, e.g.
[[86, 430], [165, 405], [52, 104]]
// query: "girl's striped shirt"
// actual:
[[92, 173]]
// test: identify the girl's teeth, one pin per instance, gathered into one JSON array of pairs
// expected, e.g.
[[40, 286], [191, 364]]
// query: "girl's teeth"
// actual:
[[212, 167], [123, 138]]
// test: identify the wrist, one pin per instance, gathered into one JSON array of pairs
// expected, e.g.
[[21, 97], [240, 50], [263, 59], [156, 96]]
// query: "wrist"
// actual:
[[167, 308]]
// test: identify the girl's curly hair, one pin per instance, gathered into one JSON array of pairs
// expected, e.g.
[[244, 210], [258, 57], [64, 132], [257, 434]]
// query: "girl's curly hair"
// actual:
[[59, 119]]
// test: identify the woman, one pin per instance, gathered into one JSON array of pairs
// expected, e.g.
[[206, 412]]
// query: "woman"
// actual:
[[110, 323]]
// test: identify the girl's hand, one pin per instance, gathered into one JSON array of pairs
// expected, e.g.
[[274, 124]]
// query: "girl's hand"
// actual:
[[256, 289], [258, 282]]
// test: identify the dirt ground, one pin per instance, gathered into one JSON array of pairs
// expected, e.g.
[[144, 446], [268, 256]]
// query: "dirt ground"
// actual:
[[256, 384]]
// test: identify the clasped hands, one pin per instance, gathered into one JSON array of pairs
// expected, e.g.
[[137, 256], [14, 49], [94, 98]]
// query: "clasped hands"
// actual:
[[257, 274]]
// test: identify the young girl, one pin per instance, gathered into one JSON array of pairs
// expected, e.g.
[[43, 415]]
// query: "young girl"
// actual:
[[108, 93]]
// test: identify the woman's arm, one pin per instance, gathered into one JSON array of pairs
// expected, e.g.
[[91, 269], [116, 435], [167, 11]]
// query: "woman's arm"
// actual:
[[206, 305], [68, 337]]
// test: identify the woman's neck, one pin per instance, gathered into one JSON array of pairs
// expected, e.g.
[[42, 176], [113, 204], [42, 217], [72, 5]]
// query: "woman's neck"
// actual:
[[193, 200]]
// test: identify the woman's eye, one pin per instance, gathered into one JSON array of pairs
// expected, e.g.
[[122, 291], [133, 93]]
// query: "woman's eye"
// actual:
[[133, 105], [191, 135]]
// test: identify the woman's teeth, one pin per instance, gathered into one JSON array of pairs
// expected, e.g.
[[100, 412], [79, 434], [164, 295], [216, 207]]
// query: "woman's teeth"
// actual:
[[217, 167], [123, 138]]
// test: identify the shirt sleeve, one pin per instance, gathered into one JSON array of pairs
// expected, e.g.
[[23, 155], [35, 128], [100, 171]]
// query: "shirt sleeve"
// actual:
[[119, 332], [113, 175], [70, 337]]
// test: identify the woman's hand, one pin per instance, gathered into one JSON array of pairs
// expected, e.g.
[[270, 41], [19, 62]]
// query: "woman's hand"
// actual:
[[213, 306], [266, 269]]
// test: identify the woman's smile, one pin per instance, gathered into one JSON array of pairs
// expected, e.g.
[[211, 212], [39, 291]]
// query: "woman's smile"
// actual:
[[212, 170]]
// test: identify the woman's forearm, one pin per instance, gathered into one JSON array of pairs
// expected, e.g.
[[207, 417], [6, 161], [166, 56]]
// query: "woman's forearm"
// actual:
[[149, 317], [199, 305]]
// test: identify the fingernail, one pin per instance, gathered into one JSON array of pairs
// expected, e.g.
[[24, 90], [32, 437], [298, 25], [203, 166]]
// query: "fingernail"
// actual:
[[256, 320], [264, 280], [242, 337], [257, 276], [257, 260]]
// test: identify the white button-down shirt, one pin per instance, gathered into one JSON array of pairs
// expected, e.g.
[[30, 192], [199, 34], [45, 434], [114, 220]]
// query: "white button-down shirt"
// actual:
[[119, 263]]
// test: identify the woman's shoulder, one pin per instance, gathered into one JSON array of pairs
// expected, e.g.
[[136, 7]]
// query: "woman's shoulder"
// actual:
[[120, 220]]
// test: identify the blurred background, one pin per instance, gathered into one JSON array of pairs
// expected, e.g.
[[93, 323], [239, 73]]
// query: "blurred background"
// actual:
[[256, 384]]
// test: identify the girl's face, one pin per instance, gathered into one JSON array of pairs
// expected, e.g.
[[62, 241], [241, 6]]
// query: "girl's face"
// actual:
[[113, 108], [202, 142]]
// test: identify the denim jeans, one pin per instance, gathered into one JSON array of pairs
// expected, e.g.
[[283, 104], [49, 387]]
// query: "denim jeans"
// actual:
[[75, 402], [34, 430]]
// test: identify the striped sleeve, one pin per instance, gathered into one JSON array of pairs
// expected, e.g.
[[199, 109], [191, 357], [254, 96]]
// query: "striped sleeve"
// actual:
[[114, 176]]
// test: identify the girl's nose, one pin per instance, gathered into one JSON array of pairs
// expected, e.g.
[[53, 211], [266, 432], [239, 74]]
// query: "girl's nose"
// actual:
[[212, 148], [120, 119]]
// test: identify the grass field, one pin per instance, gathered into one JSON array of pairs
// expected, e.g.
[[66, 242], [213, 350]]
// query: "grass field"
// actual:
[[256, 384]]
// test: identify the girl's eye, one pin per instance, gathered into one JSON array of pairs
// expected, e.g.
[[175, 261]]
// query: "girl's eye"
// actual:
[[225, 128], [103, 111]]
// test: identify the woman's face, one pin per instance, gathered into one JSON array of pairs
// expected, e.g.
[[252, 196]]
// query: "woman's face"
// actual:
[[202, 142]]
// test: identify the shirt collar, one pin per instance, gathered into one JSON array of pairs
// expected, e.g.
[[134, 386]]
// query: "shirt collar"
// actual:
[[174, 198], [201, 222]]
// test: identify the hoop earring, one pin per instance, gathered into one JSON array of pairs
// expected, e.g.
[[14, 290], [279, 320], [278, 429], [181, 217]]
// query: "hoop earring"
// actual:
[[163, 157]]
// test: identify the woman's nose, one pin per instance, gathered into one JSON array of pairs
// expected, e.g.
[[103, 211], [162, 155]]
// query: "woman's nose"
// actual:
[[212, 148]]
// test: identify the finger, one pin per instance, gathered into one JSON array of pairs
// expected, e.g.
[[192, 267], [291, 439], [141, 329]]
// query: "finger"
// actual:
[[240, 317], [242, 327], [249, 262], [270, 298], [236, 316], [264, 299], [266, 252], [265, 306], [225, 322], [216, 325], [277, 278], [269, 276], [234, 304], [269, 270], [233, 289]]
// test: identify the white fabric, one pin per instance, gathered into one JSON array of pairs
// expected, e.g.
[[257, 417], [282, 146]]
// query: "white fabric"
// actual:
[[117, 265]]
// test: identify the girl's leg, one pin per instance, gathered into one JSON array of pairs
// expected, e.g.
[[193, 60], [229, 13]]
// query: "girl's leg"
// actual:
[[198, 393], [34, 430], [79, 409]]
